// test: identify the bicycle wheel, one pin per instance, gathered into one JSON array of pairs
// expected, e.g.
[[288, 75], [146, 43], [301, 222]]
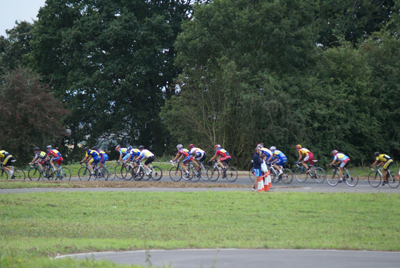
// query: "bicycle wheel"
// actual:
[[319, 175], [104, 173], [300, 174], [136, 175], [374, 179], [156, 173], [213, 174], [231, 174], [3, 175], [83, 173], [65, 173], [273, 176], [332, 178], [49, 174], [34, 173], [111, 173], [393, 180], [18, 174], [118, 171], [126, 172], [251, 173], [193, 176], [203, 173], [287, 176], [175, 174], [351, 180]]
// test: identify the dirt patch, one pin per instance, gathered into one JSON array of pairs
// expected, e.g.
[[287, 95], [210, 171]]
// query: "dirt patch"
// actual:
[[140, 184]]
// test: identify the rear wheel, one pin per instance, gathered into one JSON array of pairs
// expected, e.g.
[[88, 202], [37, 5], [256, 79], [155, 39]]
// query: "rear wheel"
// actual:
[[374, 179], [193, 176], [319, 175], [351, 180], [3, 175], [231, 174], [143, 175], [393, 180], [251, 173], [175, 174], [111, 173], [300, 174], [287, 176], [136, 175], [156, 173], [204, 172], [34, 173], [126, 172], [83, 173], [18, 174], [332, 178]]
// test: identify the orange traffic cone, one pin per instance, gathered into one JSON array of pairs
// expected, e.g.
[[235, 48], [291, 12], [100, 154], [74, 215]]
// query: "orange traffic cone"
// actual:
[[266, 184], [260, 186]]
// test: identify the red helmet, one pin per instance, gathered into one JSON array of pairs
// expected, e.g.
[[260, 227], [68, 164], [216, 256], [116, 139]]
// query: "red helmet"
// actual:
[[217, 146], [191, 146], [298, 146]]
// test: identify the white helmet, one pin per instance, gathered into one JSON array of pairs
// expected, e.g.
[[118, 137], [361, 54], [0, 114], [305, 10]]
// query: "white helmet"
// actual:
[[273, 148], [48, 147], [179, 146]]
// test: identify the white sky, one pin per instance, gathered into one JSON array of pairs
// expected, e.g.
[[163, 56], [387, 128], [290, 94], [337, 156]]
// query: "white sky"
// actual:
[[12, 10]]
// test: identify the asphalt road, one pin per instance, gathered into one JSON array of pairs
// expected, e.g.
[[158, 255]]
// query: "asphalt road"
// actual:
[[254, 258]]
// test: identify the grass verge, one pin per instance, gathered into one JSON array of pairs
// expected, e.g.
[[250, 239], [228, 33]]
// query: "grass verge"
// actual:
[[38, 225]]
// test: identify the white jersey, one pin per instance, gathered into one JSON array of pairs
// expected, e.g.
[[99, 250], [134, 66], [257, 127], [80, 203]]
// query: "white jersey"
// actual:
[[196, 151], [146, 153]]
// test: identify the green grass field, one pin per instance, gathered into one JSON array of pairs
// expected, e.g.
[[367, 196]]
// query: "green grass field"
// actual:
[[35, 226]]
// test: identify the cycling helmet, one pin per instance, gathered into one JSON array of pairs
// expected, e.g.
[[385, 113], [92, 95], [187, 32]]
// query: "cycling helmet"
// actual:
[[179, 146], [48, 147], [118, 147], [298, 146], [376, 153], [334, 151], [94, 148], [36, 149], [260, 145], [86, 148], [141, 147], [191, 146], [273, 148], [217, 146], [129, 148]]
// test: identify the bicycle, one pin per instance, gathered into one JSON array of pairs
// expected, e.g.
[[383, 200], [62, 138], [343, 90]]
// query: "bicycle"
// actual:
[[62, 173], [349, 176], [85, 174], [175, 173], [375, 178], [316, 173], [251, 172], [127, 168], [230, 173], [195, 174], [118, 171], [34, 172], [286, 176], [139, 172], [18, 174]]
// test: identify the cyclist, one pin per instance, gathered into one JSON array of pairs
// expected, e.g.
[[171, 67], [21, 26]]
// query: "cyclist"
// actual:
[[279, 161], [224, 157], [122, 152], [144, 153], [92, 156], [266, 153], [305, 155], [7, 162], [385, 161], [199, 155], [133, 154], [55, 156], [183, 152], [103, 155], [340, 158], [39, 158]]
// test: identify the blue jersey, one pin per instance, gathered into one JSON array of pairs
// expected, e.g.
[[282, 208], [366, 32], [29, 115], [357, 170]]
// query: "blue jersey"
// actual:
[[340, 157], [278, 154], [267, 152]]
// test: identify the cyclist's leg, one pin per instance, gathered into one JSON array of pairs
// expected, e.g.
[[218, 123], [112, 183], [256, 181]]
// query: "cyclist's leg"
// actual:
[[186, 161], [386, 167], [90, 164], [305, 160], [7, 165], [148, 161]]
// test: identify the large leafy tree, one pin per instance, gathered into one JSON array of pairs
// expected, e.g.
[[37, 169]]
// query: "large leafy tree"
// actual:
[[111, 62], [30, 115]]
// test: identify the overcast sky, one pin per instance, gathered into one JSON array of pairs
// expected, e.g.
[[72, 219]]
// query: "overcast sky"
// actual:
[[12, 10]]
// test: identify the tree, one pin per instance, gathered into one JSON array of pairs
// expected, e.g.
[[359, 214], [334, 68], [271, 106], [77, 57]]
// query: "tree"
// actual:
[[30, 115], [111, 63]]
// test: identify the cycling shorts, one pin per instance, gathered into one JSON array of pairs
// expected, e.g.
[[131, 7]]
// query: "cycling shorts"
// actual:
[[309, 158], [225, 159], [187, 159], [95, 160], [7, 160], [149, 160], [57, 160], [344, 163], [387, 165], [281, 161], [104, 158], [200, 157]]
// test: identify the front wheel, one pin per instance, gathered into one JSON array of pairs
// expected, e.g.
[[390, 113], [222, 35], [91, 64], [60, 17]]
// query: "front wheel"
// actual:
[[332, 178], [136, 175], [175, 174], [374, 179], [118, 171], [319, 175], [287, 176], [83, 173], [4, 175], [231, 174], [193, 175], [34, 173], [351, 178], [111, 173], [126, 172], [393, 180], [156, 173], [301, 174]]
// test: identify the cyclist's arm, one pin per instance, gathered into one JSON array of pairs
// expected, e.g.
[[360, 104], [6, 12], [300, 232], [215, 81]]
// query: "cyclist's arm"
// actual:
[[33, 160], [212, 158], [300, 157], [176, 157], [333, 162], [270, 158], [376, 162]]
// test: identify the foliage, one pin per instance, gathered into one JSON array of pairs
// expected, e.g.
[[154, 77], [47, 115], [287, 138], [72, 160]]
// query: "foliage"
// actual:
[[30, 115]]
